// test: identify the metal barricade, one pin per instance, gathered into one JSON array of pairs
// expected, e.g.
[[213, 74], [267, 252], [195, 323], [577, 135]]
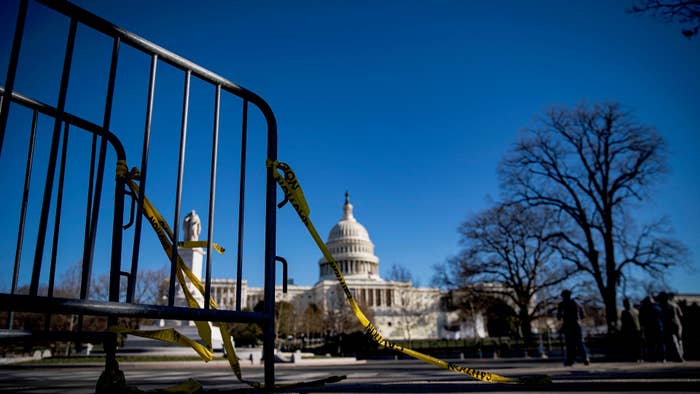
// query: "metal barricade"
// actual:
[[106, 143]]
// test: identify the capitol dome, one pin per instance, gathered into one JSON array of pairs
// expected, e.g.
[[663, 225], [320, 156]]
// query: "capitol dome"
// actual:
[[349, 243]]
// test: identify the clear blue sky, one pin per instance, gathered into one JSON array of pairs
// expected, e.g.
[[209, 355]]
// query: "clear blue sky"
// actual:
[[408, 105]]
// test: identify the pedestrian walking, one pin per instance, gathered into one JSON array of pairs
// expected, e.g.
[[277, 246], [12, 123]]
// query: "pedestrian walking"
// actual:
[[570, 312], [652, 329], [631, 332], [671, 317]]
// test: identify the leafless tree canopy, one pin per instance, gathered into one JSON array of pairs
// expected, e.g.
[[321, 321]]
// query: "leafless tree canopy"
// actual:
[[312, 321], [151, 286], [685, 12], [592, 164], [339, 317], [399, 273], [515, 247], [286, 319], [411, 304]]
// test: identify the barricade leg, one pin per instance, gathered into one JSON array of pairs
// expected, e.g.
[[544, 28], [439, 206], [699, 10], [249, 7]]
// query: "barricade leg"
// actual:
[[112, 379]]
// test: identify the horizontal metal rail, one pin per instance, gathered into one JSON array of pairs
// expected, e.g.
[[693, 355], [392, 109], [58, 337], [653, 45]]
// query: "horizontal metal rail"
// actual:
[[26, 303], [13, 337], [69, 118]]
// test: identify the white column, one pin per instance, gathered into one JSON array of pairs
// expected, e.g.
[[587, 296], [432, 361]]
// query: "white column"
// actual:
[[192, 257]]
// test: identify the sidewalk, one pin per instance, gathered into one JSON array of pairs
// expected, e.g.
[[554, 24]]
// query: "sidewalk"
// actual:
[[373, 376]]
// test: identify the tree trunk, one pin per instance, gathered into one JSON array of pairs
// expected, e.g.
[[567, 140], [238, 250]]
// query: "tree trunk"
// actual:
[[611, 276], [610, 293], [610, 300], [525, 324]]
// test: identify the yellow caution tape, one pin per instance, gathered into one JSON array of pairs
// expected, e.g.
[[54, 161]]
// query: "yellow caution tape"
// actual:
[[166, 238], [201, 244], [292, 190], [190, 386], [169, 335]]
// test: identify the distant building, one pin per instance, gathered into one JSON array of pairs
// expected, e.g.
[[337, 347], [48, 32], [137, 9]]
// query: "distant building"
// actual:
[[687, 298], [400, 310]]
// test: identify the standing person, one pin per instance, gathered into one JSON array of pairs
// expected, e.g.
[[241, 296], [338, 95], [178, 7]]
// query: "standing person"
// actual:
[[679, 319], [631, 332], [652, 328], [570, 312], [671, 316]]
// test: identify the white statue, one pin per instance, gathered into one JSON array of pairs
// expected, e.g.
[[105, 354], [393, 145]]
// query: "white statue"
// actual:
[[192, 227]]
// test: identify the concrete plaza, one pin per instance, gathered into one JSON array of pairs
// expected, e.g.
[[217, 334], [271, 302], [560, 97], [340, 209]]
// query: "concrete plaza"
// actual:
[[374, 376]]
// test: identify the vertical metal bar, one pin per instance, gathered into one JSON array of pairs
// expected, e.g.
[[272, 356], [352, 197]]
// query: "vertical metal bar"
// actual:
[[270, 253], [12, 69], [88, 252], [88, 212], [212, 195], [285, 278], [23, 212], [110, 342], [86, 264], [43, 221], [57, 223], [241, 204], [59, 208], [178, 191], [142, 182]]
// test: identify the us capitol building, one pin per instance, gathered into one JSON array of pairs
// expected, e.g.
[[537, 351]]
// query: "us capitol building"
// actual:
[[399, 310]]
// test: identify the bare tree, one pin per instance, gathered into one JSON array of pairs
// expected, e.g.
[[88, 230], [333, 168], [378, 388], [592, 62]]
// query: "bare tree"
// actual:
[[245, 334], [151, 286], [591, 164], [466, 300], [400, 273], [312, 321], [515, 248], [339, 317], [685, 12], [68, 286], [408, 305], [285, 319], [413, 304]]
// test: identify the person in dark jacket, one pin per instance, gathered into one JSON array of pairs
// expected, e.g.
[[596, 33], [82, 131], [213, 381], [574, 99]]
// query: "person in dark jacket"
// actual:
[[653, 329], [631, 332], [570, 312]]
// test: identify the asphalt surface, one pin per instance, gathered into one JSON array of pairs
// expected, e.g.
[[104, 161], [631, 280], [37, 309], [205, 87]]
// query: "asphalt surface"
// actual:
[[393, 376]]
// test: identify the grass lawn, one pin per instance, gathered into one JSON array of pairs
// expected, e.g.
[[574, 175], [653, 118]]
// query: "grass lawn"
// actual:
[[98, 359]]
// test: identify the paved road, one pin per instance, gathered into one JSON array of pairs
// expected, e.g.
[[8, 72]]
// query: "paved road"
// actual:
[[403, 376]]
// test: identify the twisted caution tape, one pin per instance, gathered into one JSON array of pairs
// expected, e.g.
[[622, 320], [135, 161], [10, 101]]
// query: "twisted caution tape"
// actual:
[[201, 244], [166, 238], [294, 194]]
